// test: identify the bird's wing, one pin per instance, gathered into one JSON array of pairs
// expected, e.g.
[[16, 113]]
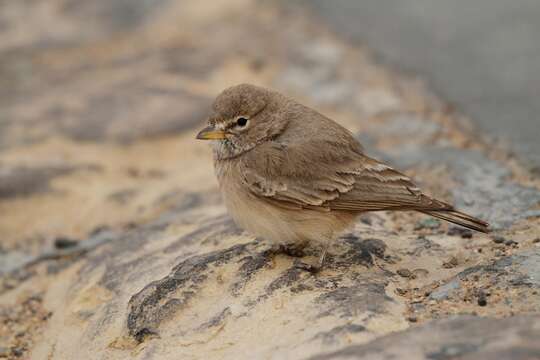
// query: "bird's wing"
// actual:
[[339, 177]]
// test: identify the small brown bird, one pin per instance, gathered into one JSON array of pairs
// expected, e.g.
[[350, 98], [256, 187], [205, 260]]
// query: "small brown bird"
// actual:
[[293, 176]]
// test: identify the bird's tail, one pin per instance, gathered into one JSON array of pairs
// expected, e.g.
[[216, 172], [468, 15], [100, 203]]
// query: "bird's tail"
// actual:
[[457, 217]]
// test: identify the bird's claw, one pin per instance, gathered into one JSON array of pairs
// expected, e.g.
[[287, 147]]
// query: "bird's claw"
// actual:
[[306, 267], [291, 250]]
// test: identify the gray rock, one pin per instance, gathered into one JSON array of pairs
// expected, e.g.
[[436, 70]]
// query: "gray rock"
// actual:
[[497, 239], [529, 265], [161, 299], [12, 261], [484, 189], [24, 181], [446, 290], [460, 337]]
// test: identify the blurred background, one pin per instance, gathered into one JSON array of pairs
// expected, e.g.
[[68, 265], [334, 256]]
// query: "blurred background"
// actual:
[[100, 102], [481, 55]]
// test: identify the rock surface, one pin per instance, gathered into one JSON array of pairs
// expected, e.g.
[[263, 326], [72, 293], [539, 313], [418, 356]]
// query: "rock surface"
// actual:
[[97, 146], [462, 337]]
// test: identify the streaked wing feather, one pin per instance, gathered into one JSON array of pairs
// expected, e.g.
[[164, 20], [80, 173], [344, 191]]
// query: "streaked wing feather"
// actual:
[[299, 177]]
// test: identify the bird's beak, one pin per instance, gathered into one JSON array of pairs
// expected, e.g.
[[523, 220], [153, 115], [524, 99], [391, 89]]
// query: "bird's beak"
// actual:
[[210, 133]]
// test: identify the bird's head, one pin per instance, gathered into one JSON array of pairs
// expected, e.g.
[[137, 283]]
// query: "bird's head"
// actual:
[[242, 117]]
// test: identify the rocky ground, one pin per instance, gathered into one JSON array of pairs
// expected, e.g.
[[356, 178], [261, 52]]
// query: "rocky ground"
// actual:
[[114, 240]]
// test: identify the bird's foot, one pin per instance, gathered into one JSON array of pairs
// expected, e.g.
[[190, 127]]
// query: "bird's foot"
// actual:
[[313, 269], [293, 250], [309, 267]]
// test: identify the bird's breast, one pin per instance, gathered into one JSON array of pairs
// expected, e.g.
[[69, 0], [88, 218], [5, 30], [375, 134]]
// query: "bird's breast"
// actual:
[[247, 210], [264, 219]]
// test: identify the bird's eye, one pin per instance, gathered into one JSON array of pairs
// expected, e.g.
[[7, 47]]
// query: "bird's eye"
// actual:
[[241, 121]]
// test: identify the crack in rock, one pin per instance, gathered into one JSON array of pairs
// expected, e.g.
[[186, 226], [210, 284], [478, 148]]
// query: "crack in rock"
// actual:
[[350, 301], [160, 299], [330, 337]]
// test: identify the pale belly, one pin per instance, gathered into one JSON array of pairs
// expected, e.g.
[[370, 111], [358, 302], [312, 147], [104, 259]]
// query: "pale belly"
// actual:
[[277, 224]]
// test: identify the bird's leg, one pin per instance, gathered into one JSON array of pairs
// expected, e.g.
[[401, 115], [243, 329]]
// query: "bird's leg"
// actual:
[[313, 268], [323, 256]]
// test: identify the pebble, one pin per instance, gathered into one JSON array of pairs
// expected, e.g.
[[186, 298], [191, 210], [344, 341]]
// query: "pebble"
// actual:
[[509, 242], [498, 239], [17, 351], [401, 291], [412, 318], [366, 220], [406, 273], [452, 263], [537, 240], [64, 243], [482, 300], [458, 231]]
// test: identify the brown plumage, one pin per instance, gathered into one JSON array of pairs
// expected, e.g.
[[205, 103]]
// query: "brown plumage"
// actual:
[[292, 175]]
